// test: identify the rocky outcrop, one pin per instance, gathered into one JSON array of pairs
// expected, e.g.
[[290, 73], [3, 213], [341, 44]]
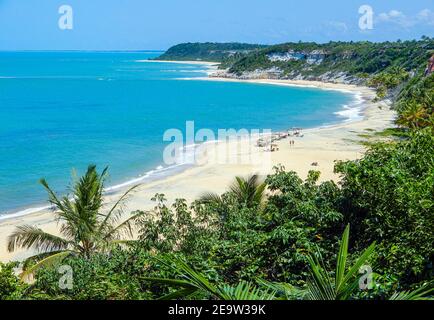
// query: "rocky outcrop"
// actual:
[[272, 73], [430, 68], [276, 73], [312, 57], [305, 70]]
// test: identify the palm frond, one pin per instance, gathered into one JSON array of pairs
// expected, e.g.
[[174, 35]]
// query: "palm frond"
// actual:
[[194, 278], [211, 197], [186, 288], [322, 287], [248, 191], [46, 262], [190, 278], [123, 243], [125, 228], [346, 284], [30, 237], [113, 215], [259, 193], [283, 291], [52, 197], [423, 293], [193, 281], [245, 291], [342, 258]]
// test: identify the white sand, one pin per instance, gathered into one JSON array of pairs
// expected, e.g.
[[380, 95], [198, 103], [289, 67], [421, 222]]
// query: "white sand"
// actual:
[[322, 145]]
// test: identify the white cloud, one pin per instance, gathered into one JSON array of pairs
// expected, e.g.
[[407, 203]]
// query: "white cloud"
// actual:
[[392, 14], [425, 16], [395, 16]]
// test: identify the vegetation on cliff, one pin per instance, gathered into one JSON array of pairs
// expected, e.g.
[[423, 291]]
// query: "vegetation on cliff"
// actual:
[[209, 51]]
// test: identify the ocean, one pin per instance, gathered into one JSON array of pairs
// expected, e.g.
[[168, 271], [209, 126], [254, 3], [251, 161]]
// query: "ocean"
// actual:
[[61, 111]]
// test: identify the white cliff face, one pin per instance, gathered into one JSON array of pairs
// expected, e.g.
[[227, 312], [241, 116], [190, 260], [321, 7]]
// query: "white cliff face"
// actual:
[[303, 71], [285, 56], [313, 57], [270, 73], [276, 73]]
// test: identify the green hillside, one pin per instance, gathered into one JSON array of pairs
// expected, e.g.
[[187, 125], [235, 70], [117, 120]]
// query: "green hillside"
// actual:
[[209, 51], [352, 58]]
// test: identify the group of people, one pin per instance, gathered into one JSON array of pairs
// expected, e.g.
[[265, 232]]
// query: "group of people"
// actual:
[[269, 145]]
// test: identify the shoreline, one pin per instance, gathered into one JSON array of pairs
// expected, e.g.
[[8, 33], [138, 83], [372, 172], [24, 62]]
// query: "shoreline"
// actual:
[[352, 89], [36, 208], [202, 176]]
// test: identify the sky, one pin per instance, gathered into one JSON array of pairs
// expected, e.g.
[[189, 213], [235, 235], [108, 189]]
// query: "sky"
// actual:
[[157, 25]]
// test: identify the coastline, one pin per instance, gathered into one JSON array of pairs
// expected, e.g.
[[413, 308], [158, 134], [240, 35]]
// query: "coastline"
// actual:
[[322, 144], [209, 63], [149, 176]]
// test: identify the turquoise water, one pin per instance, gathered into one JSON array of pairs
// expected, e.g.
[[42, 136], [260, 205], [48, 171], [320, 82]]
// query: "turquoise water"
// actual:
[[65, 110]]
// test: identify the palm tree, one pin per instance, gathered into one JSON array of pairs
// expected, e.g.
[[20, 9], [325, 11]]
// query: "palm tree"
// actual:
[[414, 116], [400, 73], [249, 192], [345, 283], [84, 229], [423, 96]]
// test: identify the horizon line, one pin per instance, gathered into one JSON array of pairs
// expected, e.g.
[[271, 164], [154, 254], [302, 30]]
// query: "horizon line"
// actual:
[[217, 42], [78, 50]]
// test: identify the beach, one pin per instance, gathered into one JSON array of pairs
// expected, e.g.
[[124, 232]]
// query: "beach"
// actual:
[[320, 146]]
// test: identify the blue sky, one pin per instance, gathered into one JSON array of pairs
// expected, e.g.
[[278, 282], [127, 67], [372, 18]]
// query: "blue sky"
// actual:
[[141, 24]]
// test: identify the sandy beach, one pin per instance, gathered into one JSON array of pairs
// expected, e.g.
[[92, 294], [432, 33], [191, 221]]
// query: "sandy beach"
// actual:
[[321, 145]]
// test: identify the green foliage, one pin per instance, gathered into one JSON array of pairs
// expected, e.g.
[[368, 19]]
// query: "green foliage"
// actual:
[[249, 192], [303, 216], [208, 51], [390, 79], [415, 116], [388, 198], [415, 103], [321, 286], [100, 277], [356, 59], [11, 287], [191, 282], [421, 293], [387, 80]]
